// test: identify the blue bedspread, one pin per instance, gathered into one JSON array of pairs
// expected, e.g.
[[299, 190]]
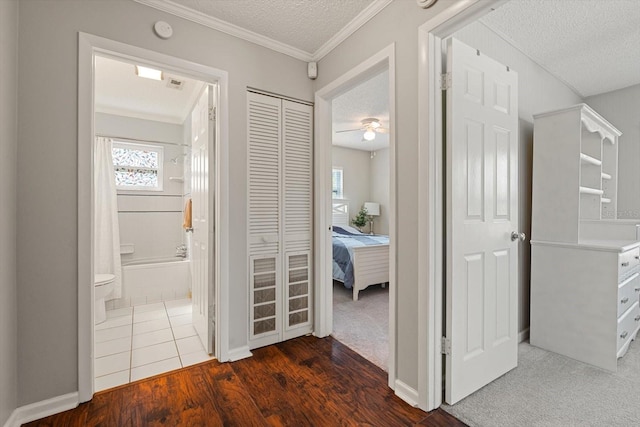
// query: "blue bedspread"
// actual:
[[343, 244]]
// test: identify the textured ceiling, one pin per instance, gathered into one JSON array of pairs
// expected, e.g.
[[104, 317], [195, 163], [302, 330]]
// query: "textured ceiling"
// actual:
[[118, 90], [368, 99], [304, 24], [592, 45]]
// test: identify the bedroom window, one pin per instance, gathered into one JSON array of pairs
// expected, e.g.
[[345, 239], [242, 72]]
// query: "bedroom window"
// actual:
[[337, 183], [137, 166]]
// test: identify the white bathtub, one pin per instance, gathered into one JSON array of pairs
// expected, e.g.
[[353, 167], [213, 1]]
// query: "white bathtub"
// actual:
[[154, 280]]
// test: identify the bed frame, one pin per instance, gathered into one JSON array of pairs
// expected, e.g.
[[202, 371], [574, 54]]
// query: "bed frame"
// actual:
[[370, 263]]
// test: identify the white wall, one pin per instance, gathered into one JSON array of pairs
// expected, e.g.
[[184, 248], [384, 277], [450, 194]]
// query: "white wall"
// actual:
[[355, 176], [47, 165], [365, 179], [622, 109], [379, 192], [8, 220], [538, 91], [150, 220], [398, 24]]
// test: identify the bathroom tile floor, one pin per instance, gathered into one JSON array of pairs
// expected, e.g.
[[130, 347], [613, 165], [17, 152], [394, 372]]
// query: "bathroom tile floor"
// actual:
[[145, 340]]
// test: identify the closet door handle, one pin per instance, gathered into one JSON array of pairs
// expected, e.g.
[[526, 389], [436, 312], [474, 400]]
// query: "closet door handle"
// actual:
[[624, 300], [624, 334], [636, 289], [637, 319], [625, 264]]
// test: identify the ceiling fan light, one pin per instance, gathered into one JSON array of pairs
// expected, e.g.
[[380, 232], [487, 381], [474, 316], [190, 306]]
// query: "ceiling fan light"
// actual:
[[369, 135], [375, 124]]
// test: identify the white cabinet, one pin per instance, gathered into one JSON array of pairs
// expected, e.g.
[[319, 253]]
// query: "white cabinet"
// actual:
[[585, 264], [280, 180], [584, 300]]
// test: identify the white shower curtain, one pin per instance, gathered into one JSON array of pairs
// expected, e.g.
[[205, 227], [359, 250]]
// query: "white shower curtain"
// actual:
[[107, 229]]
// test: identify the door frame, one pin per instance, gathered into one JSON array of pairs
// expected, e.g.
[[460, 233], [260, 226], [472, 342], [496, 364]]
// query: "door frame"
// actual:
[[88, 46], [323, 316], [431, 181]]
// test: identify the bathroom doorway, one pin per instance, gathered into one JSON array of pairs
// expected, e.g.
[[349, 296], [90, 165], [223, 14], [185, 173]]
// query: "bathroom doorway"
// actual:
[[153, 251]]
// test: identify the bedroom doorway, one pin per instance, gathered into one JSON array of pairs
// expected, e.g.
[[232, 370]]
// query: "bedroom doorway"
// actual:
[[360, 242], [356, 187]]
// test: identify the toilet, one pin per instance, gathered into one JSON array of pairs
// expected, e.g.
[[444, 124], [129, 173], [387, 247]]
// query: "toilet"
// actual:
[[103, 287]]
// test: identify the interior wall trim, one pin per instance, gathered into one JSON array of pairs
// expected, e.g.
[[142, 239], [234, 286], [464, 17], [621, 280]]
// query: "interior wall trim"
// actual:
[[406, 393], [226, 27], [239, 353], [523, 335], [35, 411], [279, 96], [218, 24]]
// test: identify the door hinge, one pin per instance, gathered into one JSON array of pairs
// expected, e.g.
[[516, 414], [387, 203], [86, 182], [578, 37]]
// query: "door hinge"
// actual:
[[212, 114], [445, 81], [446, 346]]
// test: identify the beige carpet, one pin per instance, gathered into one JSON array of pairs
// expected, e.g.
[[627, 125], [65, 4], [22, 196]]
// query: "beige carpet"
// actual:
[[363, 325], [550, 390]]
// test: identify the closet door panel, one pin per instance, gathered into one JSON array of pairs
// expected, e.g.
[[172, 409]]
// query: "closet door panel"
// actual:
[[265, 297], [298, 294], [264, 135], [298, 147]]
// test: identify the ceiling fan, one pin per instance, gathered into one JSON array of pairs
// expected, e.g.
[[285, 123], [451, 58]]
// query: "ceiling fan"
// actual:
[[370, 126]]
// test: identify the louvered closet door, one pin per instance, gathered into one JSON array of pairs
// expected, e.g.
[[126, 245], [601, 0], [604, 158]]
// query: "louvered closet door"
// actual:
[[264, 220], [297, 211]]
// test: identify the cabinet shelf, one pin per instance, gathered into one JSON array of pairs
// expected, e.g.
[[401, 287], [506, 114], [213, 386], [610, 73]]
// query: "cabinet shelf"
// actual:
[[592, 191], [585, 158]]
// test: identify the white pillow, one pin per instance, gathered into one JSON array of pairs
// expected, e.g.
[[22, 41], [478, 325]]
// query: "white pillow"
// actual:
[[351, 230]]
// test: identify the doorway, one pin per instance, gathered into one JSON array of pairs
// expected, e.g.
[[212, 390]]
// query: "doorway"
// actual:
[[431, 37], [381, 63], [360, 181], [153, 137], [209, 300]]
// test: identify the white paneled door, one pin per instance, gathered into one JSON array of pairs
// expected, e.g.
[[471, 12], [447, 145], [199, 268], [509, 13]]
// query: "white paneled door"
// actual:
[[481, 341], [202, 133]]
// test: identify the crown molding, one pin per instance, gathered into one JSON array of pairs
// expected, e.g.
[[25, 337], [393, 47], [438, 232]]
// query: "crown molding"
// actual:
[[226, 27], [363, 17], [217, 24]]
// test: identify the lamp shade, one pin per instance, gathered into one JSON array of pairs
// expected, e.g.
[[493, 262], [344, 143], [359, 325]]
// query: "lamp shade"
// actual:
[[372, 208]]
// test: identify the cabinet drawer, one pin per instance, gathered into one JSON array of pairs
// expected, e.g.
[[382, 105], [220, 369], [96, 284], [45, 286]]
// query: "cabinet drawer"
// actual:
[[628, 263], [628, 324], [628, 292]]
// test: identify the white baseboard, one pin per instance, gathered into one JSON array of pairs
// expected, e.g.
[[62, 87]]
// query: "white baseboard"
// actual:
[[239, 353], [406, 393], [12, 421], [523, 336], [44, 408]]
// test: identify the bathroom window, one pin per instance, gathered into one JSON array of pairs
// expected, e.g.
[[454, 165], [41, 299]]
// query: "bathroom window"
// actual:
[[137, 166]]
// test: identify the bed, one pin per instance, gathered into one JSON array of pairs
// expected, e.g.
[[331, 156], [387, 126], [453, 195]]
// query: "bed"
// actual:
[[359, 260]]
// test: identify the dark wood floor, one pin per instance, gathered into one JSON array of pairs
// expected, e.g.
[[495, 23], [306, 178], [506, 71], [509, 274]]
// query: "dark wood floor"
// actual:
[[302, 382]]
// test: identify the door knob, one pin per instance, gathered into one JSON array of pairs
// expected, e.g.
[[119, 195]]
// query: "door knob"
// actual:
[[517, 236]]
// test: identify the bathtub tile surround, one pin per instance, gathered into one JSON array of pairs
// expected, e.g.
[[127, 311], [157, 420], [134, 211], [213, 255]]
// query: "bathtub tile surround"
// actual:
[[145, 340]]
